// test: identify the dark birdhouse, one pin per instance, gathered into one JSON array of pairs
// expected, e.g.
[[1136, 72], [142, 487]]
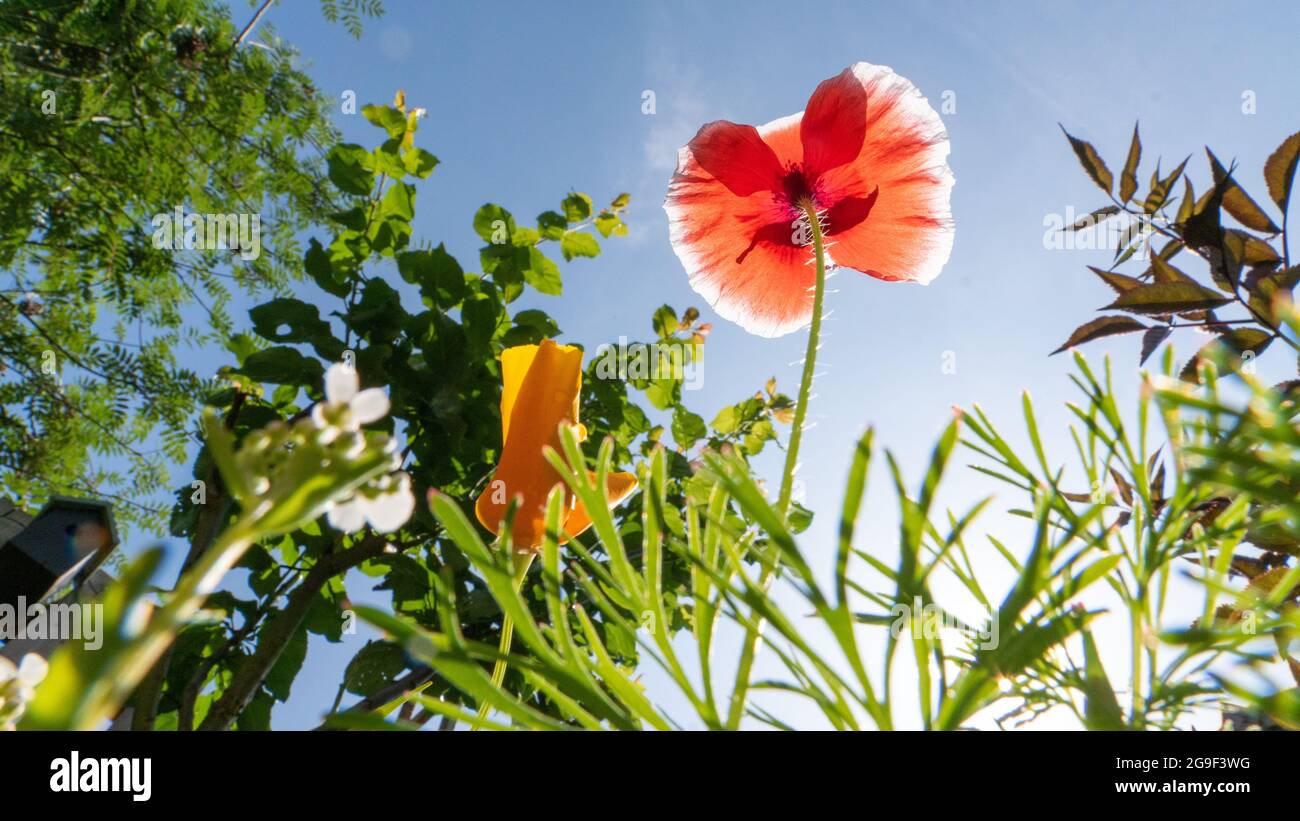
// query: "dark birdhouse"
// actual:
[[38, 555]]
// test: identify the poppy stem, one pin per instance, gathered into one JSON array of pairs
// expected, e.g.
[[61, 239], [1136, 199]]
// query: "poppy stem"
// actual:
[[522, 561], [809, 360], [749, 649]]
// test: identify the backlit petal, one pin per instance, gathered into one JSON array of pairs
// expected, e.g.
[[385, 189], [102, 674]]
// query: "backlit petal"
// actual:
[[889, 213], [340, 383], [349, 516], [370, 405], [737, 157], [618, 486], [390, 511], [834, 124], [739, 251], [869, 152], [541, 385]]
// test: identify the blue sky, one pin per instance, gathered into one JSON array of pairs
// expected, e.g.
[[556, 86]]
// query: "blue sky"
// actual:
[[527, 101]]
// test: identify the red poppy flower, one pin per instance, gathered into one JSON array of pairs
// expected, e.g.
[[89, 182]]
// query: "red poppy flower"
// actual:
[[869, 153]]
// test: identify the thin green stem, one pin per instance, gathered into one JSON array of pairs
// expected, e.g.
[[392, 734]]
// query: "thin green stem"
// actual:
[[1135, 623], [754, 634], [522, 561]]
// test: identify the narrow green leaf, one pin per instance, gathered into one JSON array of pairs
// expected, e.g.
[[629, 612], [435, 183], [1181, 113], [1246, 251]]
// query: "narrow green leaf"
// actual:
[[1091, 161], [1168, 298], [1100, 327], [1128, 178], [1279, 170]]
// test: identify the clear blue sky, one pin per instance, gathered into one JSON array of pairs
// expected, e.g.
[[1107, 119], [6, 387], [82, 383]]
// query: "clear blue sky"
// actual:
[[529, 100]]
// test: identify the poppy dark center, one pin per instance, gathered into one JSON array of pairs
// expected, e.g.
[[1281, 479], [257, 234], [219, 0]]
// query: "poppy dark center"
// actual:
[[797, 188]]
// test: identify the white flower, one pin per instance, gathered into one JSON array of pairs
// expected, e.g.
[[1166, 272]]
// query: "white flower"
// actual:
[[386, 505], [345, 406]]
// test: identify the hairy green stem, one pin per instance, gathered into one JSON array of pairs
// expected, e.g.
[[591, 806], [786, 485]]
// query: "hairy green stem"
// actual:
[[754, 634], [809, 363]]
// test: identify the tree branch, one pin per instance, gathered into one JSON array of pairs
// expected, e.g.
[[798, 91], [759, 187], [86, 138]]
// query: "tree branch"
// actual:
[[405, 684], [251, 23], [275, 636]]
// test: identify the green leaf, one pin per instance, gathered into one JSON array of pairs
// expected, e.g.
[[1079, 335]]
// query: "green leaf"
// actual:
[[543, 274], [295, 321], [665, 321], [800, 518], [1119, 283], [1101, 708], [374, 666], [760, 433], [1160, 188], [609, 223], [1237, 341], [256, 716], [282, 366], [347, 169], [1091, 161], [1187, 204], [378, 314], [1128, 178], [1238, 203], [318, 266], [1098, 328], [387, 118], [1279, 170], [280, 678], [418, 162], [1168, 298], [1162, 271], [577, 207], [494, 224], [1094, 219], [552, 225], [438, 275], [1151, 340], [688, 428], [325, 617], [727, 421], [531, 327], [399, 202], [1241, 340], [579, 244]]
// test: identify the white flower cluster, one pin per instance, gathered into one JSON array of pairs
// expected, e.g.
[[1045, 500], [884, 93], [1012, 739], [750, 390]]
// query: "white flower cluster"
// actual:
[[18, 687], [386, 503], [277, 469]]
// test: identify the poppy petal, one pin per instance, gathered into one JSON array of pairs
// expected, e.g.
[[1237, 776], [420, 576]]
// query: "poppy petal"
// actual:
[[618, 486], [541, 385], [739, 251], [736, 156], [518, 361], [889, 212], [834, 124]]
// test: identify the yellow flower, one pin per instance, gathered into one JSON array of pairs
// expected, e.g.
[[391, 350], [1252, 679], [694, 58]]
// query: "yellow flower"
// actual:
[[540, 389]]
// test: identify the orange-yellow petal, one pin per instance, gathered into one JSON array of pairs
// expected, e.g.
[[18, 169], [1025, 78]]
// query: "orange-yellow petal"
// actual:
[[618, 486], [540, 389]]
